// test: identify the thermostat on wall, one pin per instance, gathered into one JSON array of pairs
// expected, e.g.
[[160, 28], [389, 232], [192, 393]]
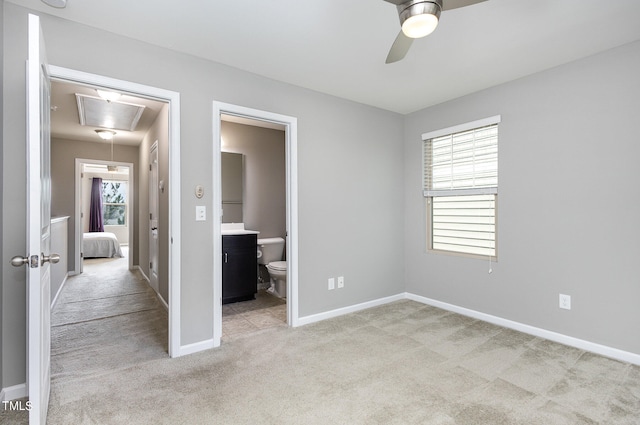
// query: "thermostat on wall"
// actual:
[[199, 191]]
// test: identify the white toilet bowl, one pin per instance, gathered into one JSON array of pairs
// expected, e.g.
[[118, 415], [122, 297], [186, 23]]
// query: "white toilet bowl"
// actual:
[[270, 251], [278, 274]]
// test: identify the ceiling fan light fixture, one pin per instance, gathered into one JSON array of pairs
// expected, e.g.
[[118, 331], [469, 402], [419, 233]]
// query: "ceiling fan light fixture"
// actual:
[[420, 19]]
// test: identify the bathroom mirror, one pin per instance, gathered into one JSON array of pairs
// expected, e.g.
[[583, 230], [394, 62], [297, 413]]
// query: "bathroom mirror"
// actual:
[[232, 184]]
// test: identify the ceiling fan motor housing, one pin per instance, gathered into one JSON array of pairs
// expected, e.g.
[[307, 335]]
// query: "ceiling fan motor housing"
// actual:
[[419, 7]]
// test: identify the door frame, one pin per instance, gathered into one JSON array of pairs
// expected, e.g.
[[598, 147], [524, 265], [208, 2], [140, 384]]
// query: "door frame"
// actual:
[[173, 99], [78, 207], [153, 189], [291, 152]]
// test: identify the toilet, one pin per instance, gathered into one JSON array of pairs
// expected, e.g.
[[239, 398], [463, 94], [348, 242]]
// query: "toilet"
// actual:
[[270, 251]]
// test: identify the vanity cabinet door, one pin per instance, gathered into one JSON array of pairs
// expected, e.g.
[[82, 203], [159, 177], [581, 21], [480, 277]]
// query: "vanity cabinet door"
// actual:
[[239, 268]]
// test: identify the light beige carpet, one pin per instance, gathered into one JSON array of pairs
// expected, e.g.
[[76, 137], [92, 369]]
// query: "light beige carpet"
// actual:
[[402, 363]]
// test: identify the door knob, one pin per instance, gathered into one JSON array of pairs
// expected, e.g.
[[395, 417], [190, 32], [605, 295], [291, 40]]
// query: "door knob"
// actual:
[[53, 259], [19, 261]]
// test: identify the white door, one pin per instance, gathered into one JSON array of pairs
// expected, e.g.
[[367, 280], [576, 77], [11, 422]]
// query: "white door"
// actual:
[[38, 226], [153, 216]]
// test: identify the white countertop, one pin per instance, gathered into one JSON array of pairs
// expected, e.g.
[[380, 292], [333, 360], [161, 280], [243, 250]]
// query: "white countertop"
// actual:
[[236, 229]]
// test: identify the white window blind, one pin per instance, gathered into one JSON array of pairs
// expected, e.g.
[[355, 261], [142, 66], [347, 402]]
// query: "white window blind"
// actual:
[[465, 224], [461, 186], [465, 160]]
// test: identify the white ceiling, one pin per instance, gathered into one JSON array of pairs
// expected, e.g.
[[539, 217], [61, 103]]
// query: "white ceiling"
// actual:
[[339, 46]]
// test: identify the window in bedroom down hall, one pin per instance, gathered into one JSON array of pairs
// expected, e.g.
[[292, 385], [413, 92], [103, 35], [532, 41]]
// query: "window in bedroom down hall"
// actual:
[[461, 188], [114, 202]]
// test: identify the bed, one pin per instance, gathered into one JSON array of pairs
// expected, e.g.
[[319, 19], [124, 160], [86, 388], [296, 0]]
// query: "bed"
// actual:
[[100, 245]]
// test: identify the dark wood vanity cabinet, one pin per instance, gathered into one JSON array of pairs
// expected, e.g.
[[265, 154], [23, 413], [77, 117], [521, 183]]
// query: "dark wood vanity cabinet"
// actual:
[[239, 267]]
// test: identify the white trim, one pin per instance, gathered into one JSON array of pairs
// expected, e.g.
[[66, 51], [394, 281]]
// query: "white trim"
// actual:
[[589, 346], [462, 127], [291, 149], [173, 98], [158, 296], [593, 347], [196, 347], [138, 268], [55, 298], [350, 309], [14, 392], [78, 206], [462, 192]]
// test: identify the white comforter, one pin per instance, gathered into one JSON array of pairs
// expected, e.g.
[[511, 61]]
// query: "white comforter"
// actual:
[[100, 244]]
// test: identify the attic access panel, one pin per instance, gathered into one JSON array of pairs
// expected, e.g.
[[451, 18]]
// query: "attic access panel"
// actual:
[[97, 112]]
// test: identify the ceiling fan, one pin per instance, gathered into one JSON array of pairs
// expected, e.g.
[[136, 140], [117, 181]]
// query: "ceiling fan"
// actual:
[[418, 19]]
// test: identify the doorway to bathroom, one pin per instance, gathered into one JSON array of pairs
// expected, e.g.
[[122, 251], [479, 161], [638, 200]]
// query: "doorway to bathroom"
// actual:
[[255, 179]]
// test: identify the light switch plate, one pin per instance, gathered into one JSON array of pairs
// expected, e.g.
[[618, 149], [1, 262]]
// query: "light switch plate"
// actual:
[[332, 283], [201, 213]]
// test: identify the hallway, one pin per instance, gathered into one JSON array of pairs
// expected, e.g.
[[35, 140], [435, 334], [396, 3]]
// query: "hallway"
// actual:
[[106, 318]]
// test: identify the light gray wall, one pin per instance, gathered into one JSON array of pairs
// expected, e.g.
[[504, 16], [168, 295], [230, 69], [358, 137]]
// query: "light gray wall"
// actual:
[[159, 131], [349, 164], [1, 192], [14, 201], [568, 202], [265, 186], [63, 173]]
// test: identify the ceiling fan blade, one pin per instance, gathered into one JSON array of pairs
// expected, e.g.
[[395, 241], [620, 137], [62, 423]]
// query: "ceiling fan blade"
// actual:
[[399, 48], [454, 4], [396, 2]]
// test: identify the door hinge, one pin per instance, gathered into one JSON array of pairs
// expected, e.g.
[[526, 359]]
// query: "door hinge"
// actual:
[[150, 216], [81, 175], [149, 167], [81, 215]]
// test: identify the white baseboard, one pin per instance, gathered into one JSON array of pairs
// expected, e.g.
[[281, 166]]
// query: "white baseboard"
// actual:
[[195, 347], [13, 393], [55, 299], [593, 347], [346, 310], [162, 301], [142, 273]]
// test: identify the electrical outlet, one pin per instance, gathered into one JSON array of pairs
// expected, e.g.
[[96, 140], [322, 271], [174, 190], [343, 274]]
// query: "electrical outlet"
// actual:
[[332, 283], [340, 281], [565, 302]]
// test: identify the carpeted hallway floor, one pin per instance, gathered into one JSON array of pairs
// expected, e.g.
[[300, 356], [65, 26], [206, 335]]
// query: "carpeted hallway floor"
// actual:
[[401, 363]]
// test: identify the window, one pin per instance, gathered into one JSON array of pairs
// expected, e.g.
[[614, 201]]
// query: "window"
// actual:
[[461, 187], [114, 202]]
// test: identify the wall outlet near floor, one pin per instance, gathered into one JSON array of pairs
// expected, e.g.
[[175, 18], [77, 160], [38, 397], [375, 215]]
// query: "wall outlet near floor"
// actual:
[[340, 281], [332, 283], [565, 302]]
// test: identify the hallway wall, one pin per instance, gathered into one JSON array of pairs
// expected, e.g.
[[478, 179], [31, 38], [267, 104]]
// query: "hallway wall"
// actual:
[[63, 166], [265, 185]]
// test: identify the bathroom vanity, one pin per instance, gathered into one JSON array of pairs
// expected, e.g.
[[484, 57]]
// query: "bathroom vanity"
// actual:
[[239, 266]]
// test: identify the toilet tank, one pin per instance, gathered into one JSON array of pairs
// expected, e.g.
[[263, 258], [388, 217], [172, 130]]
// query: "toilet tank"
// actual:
[[270, 249]]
